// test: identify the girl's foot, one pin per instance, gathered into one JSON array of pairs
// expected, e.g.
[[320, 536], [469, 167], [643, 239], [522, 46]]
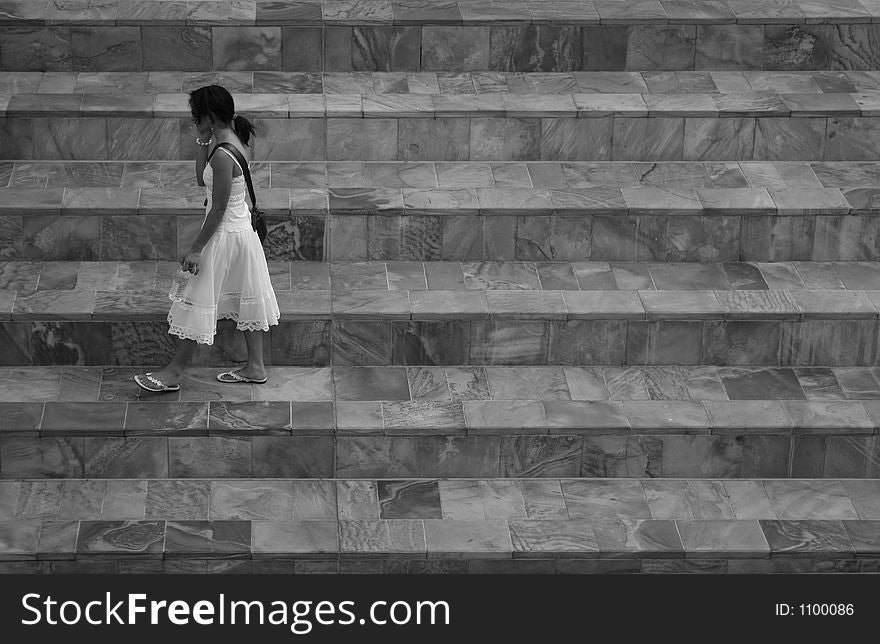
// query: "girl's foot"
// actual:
[[246, 375], [153, 383]]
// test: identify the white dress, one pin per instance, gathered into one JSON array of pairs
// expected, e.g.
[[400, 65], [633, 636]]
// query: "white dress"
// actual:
[[233, 279]]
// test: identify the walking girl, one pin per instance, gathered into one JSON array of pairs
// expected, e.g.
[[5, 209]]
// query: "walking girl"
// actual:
[[228, 277]]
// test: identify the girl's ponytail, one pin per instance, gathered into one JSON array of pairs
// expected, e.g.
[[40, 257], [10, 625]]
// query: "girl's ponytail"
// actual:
[[243, 128]]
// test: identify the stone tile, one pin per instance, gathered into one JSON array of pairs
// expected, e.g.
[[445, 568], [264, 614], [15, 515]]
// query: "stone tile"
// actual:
[[176, 499], [819, 383], [18, 539], [695, 304], [220, 539], [485, 416], [370, 383], [124, 499], [314, 500], [664, 416], [34, 500], [209, 457], [557, 276], [409, 500], [658, 139], [757, 342], [825, 416], [660, 47], [723, 538], [790, 139], [806, 201], [383, 457], [292, 456], [295, 538], [602, 304], [543, 499], [553, 538], [744, 276], [455, 456], [467, 383], [761, 384], [862, 493], [864, 536], [128, 538], [749, 500], [540, 456], [605, 500], [808, 538], [82, 500], [565, 139], [70, 418], [627, 537], [509, 139], [155, 417], [484, 539], [251, 500], [461, 500], [815, 500], [704, 383], [423, 417], [394, 537], [585, 417], [747, 415]]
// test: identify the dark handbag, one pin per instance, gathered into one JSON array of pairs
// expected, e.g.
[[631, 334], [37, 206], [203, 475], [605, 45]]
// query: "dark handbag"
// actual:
[[258, 219]]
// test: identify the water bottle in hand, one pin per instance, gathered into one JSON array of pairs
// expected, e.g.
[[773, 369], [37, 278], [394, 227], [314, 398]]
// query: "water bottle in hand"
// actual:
[[181, 278]]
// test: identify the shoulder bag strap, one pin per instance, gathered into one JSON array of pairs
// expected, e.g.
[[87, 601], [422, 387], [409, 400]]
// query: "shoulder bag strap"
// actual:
[[242, 162]]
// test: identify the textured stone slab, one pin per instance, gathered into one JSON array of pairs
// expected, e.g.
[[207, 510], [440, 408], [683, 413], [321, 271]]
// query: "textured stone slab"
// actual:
[[747, 415]]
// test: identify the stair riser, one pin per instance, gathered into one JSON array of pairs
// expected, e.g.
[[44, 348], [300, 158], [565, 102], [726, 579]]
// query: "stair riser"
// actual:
[[413, 47], [460, 138], [460, 237], [380, 342], [458, 565], [567, 456]]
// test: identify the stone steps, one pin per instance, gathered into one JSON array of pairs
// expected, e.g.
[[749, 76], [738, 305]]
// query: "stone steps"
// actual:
[[481, 127], [463, 422], [427, 525], [673, 314], [422, 211], [141, 87], [523, 36], [591, 288], [471, 313]]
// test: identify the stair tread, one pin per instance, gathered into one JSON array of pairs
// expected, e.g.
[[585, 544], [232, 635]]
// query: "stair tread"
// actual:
[[20, 179], [121, 85], [455, 13], [446, 401], [467, 290], [435, 518], [499, 105]]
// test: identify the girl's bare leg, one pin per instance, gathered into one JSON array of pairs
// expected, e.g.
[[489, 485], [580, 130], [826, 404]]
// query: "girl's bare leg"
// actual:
[[173, 372], [254, 368]]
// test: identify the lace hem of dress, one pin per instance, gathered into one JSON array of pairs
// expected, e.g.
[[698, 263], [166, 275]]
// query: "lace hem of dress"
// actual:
[[208, 338]]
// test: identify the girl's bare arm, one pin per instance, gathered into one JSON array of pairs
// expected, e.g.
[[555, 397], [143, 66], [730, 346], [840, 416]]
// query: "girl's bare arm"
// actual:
[[221, 165]]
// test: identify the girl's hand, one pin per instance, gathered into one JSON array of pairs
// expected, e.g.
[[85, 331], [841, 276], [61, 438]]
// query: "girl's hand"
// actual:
[[190, 262]]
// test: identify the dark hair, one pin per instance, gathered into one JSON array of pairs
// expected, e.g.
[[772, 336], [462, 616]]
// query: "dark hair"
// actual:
[[216, 101]]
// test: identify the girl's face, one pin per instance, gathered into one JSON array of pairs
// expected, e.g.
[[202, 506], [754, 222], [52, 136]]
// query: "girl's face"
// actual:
[[202, 126]]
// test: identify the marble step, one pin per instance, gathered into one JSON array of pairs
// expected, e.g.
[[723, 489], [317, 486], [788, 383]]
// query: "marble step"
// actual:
[[662, 313], [456, 421], [443, 127], [361, 211], [438, 525], [142, 87], [419, 35]]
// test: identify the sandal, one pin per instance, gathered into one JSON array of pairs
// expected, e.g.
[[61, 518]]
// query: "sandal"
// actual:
[[235, 377], [154, 385]]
